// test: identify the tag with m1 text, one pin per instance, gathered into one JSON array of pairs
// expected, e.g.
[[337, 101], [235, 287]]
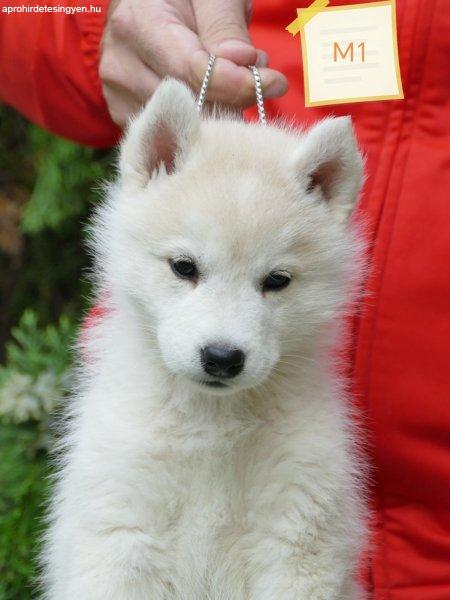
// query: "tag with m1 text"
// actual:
[[349, 52]]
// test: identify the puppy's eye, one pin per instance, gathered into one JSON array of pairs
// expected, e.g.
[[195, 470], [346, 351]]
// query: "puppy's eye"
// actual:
[[277, 280], [184, 268]]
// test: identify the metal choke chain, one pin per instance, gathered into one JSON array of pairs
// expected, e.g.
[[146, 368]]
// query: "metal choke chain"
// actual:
[[204, 87], [258, 89], [259, 95]]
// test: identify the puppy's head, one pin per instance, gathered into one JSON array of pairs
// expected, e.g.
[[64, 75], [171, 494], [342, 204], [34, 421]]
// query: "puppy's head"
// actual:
[[232, 239]]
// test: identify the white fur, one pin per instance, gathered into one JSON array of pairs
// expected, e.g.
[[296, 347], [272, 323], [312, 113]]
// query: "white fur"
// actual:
[[169, 489]]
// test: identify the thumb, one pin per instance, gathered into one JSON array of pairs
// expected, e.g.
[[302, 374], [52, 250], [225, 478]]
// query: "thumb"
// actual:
[[222, 29]]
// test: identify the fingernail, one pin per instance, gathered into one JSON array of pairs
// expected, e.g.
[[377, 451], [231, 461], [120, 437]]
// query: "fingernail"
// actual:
[[276, 88], [263, 60]]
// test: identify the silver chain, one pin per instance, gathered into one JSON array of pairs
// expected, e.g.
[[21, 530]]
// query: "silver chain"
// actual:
[[258, 89], [202, 95], [259, 95]]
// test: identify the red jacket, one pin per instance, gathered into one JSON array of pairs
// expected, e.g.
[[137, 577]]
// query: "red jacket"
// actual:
[[401, 353]]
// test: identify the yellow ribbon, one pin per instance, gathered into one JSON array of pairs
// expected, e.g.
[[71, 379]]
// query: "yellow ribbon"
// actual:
[[306, 14]]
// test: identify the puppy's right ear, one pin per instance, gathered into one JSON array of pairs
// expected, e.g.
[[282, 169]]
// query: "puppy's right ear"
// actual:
[[160, 136]]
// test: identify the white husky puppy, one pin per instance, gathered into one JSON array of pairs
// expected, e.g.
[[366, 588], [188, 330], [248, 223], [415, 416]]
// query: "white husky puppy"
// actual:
[[209, 453]]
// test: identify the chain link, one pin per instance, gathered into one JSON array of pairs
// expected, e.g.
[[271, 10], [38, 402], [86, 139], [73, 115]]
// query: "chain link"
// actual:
[[258, 89]]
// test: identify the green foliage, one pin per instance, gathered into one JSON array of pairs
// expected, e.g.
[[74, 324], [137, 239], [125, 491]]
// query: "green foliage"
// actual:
[[65, 173], [33, 383], [60, 181], [33, 350], [36, 375], [51, 184], [24, 486]]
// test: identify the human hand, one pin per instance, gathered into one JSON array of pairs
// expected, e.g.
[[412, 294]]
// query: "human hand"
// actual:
[[145, 40]]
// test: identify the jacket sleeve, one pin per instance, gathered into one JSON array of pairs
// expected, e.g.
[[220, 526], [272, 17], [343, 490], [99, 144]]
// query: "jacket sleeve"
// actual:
[[49, 67]]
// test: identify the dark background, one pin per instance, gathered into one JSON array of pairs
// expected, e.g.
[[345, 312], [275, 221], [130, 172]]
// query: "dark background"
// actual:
[[47, 188]]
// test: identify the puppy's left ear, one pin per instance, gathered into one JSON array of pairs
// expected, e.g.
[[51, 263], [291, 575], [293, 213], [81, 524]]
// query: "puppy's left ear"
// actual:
[[159, 138], [329, 163]]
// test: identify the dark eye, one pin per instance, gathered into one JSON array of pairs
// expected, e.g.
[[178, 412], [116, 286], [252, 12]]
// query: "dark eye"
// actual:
[[277, 280], [184, 268]]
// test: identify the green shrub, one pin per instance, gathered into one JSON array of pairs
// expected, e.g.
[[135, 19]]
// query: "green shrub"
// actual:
[[51, 184], [24, 486]]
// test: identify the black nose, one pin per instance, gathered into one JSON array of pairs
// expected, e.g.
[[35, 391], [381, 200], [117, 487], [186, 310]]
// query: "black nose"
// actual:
[[221, 361]]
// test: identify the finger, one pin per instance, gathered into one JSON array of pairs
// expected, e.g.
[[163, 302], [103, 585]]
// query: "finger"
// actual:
[[234, 85], [121, 104], [222, 29], [262, 60], [127, 82], [134, 76]]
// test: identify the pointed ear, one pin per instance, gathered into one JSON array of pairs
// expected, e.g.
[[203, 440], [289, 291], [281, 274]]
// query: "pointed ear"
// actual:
[[329, 164], [161, 135]]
